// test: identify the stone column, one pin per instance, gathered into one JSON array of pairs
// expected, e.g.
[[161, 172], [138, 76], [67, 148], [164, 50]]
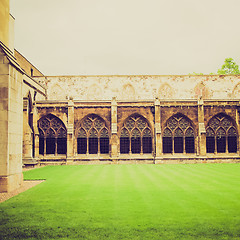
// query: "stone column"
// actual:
[[36, 133], [238, 125], [158, 135], [11, 122], [201, 149], [114, 142], [70, 132], [27, 135]]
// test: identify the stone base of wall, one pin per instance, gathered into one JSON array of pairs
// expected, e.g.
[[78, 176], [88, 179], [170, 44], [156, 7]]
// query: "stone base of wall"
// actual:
[[10, 183], [29, 161], [197, 160], [137, 160]]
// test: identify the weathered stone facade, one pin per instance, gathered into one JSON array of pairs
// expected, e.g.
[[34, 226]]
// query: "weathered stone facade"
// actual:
[[156, 114], [110, 119], [141, 87]]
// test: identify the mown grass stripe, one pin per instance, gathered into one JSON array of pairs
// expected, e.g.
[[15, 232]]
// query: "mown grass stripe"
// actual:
[[127, 202]]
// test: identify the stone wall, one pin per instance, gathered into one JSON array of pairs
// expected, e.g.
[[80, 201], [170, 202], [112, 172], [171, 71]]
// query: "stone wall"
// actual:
[[157, 113], [11, 122], [141, 87]]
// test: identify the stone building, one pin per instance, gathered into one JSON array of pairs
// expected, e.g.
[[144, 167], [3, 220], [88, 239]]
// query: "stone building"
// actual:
[[128, 119], [110, 119]]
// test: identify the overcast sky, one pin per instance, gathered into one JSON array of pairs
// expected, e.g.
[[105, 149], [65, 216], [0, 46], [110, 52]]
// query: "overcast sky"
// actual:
[[74, 37]]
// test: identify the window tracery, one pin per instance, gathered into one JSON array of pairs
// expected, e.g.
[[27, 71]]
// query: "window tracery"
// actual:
[[52, 136], [178, 136], [93, 136], [221, 135], [136, 136]]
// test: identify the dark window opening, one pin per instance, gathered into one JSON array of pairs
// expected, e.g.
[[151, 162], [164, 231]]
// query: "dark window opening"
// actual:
[[50, 146], [178, 144], [210, 142], [61, 145], [41, 145], [147, 144], [104, 145], [189, 144], [221, 144], [82, 145], [232, 144], [93, 145], [136, 145], [167, 145], [124, 145]]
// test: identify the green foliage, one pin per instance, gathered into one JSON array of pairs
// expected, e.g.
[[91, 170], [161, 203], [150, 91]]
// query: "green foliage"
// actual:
[[229, 67], [199, 201], [194, 73]]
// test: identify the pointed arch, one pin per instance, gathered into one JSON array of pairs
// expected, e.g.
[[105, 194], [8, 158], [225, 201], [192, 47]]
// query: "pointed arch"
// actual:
[[221, 134], [178, 140], [124, 141], [167, 140], [92, 135], [136, 135], [104, 141], [82, 141], [232, 140], [52, 135], [210, 140], [128, 92], [147, 141], [189, 140], [179, 135]]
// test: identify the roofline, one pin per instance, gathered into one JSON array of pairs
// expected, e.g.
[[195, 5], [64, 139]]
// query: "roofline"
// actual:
[[146, 75], [28, 61]]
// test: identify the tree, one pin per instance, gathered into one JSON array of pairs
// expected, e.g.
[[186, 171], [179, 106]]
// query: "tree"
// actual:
[[229, 67]]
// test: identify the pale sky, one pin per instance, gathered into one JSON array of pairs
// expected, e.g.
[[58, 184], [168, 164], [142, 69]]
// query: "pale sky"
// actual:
[[75, 37]]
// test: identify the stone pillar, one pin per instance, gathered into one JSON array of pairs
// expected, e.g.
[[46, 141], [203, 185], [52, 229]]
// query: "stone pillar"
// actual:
[[27, 135], [36, 133], [11, 122], [158, 135], [201, 149], [114, 142], [238, 126], [70, 132]]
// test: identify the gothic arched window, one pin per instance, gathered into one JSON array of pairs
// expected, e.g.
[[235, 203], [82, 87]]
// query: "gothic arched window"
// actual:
[[52, 136], [82, 141], [124, 141], [178, 136], [136, 136], [104, 141], [167, 141], [221, 135], [147, 141], [93, 136]]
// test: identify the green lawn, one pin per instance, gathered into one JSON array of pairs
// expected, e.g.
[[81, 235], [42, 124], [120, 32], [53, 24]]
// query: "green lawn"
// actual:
[[200, 201]]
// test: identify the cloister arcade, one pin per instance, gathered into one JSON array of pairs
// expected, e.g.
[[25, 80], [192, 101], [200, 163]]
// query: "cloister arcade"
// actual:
[[92, 136]]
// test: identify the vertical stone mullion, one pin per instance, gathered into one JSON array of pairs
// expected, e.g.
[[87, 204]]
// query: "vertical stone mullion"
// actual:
[[215, 138], [201, 129], [184, 144], [158, 133], [114, 140], [130, 145], [45, 146], [70, 132], [226, 142], [173, 150], [98, 145], [55, 146], [87, 145]]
